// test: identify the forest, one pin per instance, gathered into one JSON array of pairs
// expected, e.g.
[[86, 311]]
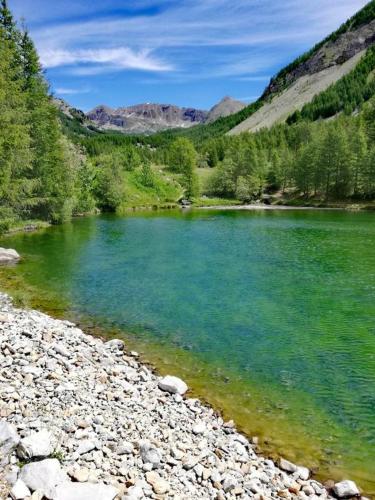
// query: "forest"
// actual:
[[53, 167]]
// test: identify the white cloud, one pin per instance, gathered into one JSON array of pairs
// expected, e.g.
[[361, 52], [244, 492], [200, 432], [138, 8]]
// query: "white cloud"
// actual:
[[70, 91], [189, 39], [119, 57]]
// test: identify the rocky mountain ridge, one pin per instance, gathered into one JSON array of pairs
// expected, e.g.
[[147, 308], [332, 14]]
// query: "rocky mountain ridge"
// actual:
[[146, 118], [150, 117]]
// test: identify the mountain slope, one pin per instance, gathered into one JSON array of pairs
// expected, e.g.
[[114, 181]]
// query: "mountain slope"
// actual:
[[291, 90], [301, 92], [226, 107]]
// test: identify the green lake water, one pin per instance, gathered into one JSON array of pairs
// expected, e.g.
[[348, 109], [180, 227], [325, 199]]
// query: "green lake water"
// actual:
[[269, 315]]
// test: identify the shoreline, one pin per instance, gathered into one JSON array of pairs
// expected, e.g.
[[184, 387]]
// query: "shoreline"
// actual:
[[265, 207], [88, 385], [39, 225]]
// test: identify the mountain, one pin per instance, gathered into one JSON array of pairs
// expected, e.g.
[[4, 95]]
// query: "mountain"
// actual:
[[73, 120], [146, 118], [150, 118], [309, 76], [314, 72], [227, 106]]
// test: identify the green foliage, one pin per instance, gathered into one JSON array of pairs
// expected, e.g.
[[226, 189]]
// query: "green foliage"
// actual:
[[182, 160], [38, 171], [109, 187]]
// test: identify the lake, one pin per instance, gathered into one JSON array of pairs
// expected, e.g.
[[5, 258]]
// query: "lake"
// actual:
[[268, 315]]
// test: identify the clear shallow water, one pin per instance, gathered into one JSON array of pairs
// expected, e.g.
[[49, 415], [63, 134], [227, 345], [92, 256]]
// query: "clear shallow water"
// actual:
[[269, 315]]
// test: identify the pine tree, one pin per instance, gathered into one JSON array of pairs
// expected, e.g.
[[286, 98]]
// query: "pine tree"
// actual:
[[6, 21], [15, 153]]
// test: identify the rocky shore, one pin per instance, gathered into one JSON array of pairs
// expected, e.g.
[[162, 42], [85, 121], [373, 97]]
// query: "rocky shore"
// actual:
[[83, 419]]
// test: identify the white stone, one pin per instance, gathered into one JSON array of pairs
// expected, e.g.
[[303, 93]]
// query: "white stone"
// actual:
[[85, 447], [125, 448], [134, 493], [229, 484], [346, 489], [174, 385], [8, 255], [39, 444], [60, 349], [159, 485], [199, 428], [150, 454], [44, 476], [20, 490], [81, 475], [303, 473], [9, 439], [287, 466], [115, 344], [37, 495], [84, 491]]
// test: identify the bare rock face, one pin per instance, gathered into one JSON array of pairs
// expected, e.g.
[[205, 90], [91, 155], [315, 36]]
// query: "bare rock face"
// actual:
[[227, 106], [146, 118]]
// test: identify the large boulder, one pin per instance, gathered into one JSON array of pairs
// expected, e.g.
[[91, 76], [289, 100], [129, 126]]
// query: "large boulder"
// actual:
[[174, 385], [9, 440], [84, 491], [37, 445], [346, 489], [8, 256], [43, 476]]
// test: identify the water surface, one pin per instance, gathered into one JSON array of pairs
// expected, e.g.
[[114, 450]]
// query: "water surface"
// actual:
[[268, 315]]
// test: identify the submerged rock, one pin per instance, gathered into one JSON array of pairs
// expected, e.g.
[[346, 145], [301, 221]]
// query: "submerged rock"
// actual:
[[8, 256], [287, 466]]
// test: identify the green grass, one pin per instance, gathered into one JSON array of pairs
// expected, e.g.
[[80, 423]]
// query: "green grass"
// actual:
[[164, 193], [15, 226]]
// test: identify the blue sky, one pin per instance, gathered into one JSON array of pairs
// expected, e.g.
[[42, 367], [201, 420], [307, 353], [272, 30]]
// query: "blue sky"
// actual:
[[188, 52]]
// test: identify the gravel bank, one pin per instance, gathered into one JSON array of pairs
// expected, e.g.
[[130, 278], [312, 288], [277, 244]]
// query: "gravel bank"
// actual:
[[81, 419]]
